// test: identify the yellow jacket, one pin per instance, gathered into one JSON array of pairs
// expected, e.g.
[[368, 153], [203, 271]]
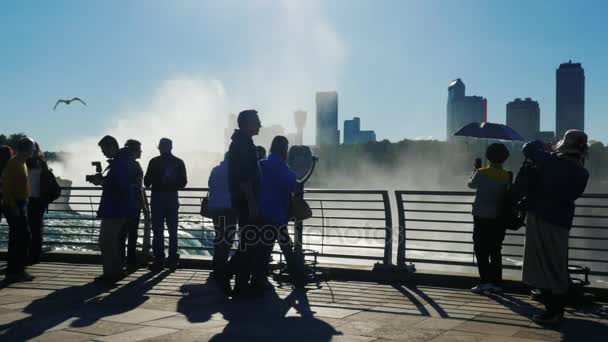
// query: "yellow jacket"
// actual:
[[15, 183]]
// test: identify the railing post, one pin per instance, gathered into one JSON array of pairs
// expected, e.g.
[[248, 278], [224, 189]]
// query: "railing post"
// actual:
[[401, 216], [388, 221]]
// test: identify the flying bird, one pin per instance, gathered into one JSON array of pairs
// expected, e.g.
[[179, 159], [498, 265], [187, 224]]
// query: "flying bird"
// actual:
[[67, 102]]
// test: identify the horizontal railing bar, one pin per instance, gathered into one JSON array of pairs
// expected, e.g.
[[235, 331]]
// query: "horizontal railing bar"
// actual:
[[439, 221], [436, 211], [346, 237], [345, 191], [438, 202], [342, 227], [341, 246], [350, 218], [343, 200], [435, 193], [348, 209]]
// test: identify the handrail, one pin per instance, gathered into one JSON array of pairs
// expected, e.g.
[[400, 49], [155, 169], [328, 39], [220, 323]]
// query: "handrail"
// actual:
[[435, 223], [346, 224]]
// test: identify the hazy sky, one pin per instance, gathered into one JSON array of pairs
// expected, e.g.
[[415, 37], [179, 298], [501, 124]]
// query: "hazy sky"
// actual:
[[390, 62]]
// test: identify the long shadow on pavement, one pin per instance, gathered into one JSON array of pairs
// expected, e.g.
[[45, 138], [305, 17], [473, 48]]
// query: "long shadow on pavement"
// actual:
[[263, 319], [85, 303]]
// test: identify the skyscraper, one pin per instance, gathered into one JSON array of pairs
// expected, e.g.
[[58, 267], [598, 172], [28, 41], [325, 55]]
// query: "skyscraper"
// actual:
[[353, 133], [461, 109], [569, 98], [327, 118], [524, 117]]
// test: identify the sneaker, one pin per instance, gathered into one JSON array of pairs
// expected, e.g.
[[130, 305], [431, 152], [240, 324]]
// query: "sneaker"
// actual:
[[481, 288], [548, 318], [18, 277]]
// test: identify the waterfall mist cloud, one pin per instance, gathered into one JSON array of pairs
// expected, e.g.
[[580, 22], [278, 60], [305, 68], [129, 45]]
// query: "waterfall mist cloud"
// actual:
[[295, 53]]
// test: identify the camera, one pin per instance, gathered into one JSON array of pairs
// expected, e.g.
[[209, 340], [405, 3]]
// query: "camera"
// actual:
[[97, 175]]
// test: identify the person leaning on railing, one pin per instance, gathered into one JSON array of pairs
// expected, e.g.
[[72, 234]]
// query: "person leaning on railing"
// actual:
[[116, 208], [16, 191], [491, 184], [561, 180], [6, 153], [224, 223]]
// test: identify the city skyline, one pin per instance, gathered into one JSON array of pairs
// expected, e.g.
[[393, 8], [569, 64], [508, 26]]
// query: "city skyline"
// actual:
[[164, 63]]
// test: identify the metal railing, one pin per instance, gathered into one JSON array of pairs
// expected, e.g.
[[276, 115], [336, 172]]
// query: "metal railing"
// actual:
[[436, 227], [348, 225]]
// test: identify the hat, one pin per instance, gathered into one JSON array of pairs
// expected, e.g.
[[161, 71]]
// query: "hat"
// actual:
[[497, 153], [573, 143]]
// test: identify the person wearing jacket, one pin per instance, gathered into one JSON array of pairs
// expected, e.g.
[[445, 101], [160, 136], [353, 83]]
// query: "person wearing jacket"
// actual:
[[129, 237], [116, 208], [244, 185], [561, 180], [16, 190], [278, 182], [491, 185], [166, 174], [39, 180], [224, 222]]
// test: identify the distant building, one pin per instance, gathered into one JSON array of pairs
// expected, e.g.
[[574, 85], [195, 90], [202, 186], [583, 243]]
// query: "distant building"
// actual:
[[524, 117], [463, 110], [569, 98], [546, 136], [353, 133], [327, 118], [300, 121]]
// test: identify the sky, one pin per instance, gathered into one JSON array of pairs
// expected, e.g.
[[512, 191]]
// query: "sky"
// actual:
[[177, 68]]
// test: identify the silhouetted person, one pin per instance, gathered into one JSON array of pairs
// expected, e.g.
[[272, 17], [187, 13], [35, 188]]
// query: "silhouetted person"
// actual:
[[561, 180], [166, 174], [6, 153], [261, 152], [116, 208], [491, 184], [278, 182], [16, 190], [43, 190], [244, 184], [136, 179], [224, 222]]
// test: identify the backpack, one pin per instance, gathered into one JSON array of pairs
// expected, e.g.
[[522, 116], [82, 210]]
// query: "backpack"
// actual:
[[54, 190], [513, 214], [514, 204]]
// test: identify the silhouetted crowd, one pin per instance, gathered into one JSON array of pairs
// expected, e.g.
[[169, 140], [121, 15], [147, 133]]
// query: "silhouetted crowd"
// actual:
[[250, 195]]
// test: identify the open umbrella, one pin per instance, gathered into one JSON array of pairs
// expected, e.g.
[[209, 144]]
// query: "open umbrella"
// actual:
[[488, 130]]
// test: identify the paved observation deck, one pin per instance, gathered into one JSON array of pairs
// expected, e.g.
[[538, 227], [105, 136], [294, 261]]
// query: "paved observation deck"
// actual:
[[63, 304]]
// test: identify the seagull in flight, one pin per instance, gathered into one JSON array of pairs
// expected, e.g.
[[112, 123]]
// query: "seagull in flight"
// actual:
[[67, 102]]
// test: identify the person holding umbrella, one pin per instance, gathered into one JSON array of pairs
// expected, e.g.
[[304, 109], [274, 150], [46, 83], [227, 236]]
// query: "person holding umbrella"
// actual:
[[491, 183]]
